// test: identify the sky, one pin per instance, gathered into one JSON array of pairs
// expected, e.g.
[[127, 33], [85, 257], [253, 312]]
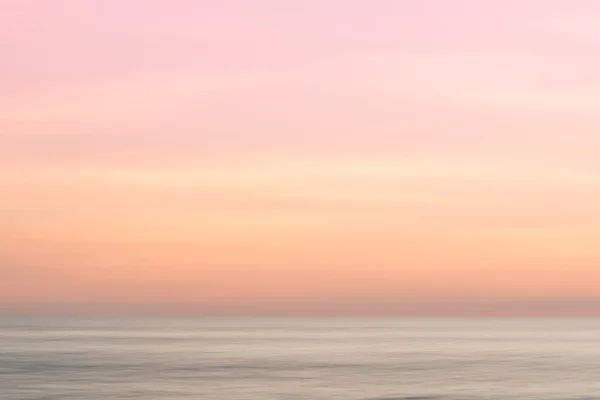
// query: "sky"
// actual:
[[261, 157]]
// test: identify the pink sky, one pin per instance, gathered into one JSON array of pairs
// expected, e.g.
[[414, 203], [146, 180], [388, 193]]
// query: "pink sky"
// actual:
[[300, 157]]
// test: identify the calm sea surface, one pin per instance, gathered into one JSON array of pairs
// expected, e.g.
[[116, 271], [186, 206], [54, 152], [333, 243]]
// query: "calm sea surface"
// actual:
[[298, 359]]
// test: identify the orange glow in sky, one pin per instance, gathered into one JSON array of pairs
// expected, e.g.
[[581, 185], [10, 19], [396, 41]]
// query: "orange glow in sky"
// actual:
[[352, 157]]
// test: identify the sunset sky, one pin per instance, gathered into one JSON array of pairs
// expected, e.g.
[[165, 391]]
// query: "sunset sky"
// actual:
[[340, 157]]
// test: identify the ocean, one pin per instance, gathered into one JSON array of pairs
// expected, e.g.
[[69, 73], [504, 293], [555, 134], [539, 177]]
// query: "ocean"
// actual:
[[298, 358]]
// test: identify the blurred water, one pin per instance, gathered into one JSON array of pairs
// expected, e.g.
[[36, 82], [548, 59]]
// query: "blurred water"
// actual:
[[297, 359]]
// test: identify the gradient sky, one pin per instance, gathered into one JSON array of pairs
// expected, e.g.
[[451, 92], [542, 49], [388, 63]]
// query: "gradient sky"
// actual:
[[300, 157]]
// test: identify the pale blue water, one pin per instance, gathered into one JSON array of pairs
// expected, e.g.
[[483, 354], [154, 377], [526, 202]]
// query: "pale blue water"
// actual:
[[298, 359]]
